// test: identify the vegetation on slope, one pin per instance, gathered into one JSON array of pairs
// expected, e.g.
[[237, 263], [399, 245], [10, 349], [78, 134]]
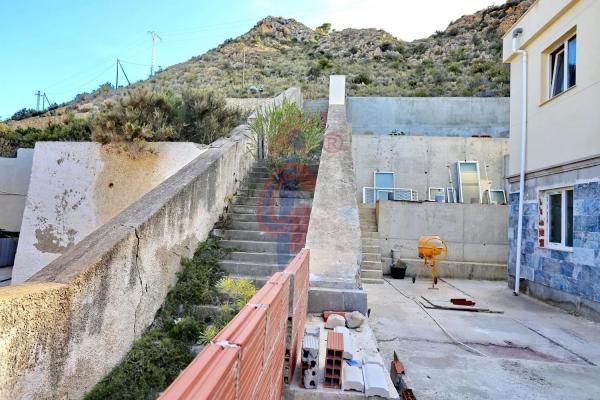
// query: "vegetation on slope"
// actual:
[[137, 117], [166, 348]]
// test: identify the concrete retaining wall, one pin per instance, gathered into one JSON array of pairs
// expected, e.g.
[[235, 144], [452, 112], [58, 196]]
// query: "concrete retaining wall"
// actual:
[[436, 116], [73, 321], [14, 181], [420, 162], [476, 235], [78, 186]]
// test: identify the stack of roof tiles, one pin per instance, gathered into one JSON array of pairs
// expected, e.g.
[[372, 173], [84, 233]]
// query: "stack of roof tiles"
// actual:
[[246, 359], [334, 357]]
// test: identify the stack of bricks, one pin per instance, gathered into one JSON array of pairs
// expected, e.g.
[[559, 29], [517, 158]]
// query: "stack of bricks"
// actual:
[[245, 360], [334, 357], [309, 366], [298, 307], [274, 297]]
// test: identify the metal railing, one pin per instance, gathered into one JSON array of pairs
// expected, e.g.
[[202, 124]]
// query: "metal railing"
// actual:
[[370, 194]]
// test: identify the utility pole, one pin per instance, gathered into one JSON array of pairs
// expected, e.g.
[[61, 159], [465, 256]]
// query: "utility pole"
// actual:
[[38, 96], [154, 36], [46, 98], [119, 65]]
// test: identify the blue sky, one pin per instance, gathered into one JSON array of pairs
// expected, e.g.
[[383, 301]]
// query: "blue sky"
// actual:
[[65, 47]]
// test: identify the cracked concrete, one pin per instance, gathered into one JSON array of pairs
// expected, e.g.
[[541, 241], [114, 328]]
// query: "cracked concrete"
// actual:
[[531, 351]]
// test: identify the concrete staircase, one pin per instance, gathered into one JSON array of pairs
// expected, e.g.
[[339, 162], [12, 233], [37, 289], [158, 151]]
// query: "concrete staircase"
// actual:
[[266, 223], [370, 270]]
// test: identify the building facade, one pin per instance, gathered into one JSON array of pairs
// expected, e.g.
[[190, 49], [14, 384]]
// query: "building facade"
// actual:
[[558, 42]]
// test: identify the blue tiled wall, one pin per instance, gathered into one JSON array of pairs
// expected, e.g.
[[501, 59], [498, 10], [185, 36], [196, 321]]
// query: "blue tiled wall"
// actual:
[[576, 272]]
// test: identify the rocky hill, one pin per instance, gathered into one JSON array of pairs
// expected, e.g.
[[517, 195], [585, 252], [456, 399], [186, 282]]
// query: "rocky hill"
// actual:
[[463, 60]]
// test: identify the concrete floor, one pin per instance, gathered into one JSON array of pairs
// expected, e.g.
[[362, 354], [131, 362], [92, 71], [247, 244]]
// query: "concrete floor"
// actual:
[[531, 351]]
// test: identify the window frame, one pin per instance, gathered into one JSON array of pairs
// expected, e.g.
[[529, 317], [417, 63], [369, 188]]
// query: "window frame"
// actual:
[[552, 65], [563, 215]]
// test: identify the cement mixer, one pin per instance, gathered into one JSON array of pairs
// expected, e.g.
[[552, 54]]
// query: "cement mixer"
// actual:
[[431, 250]]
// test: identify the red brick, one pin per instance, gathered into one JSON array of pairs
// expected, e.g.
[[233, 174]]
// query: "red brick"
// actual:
[[211, 375]]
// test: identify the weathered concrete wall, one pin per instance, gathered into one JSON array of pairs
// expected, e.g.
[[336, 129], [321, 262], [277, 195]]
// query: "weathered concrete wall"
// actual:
[[89, 304], [72, 322], [420, 162], [14, 181], [474, 232], [437, 116], [78, 186]]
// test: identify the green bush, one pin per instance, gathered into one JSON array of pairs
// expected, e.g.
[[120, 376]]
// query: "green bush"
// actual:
[[291, 135], [146, 116], [362, 78], [150, 366], [138, 117], [203, 117]]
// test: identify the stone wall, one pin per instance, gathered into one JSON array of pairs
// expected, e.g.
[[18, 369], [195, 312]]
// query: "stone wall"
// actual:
[[476, 235], [73, 321], [570, 279], [420, 162], [78, 186], [14, 181], [436, 116]]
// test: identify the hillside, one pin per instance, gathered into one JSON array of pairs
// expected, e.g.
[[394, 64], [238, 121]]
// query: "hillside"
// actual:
[[463, 60]]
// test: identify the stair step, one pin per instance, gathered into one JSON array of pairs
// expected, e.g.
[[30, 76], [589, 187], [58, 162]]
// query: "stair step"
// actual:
[[260, 258], [371, 257], [371, 265], [371, 274], [370, 242], [268, 218], [262, 192], [272, 227], [372, 281], [371, 249], [282, 210], [272, 201], [260, 236], [260, 246], [371, 235], [251, 269]]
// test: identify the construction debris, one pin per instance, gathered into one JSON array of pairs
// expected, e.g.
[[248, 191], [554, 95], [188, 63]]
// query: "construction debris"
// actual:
[[352, 377], [374, 377], [335, 320], [348, 341], [439, 305], [355, 319], [396, 372], [407, 394]]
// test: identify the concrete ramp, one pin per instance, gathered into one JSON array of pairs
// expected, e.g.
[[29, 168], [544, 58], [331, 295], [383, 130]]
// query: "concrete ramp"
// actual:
[[76, 187]]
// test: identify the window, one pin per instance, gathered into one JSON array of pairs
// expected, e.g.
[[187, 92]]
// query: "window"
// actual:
[[563, 66], [559, 215]]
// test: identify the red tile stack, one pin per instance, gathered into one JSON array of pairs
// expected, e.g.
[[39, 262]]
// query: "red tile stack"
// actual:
[[334, 357]]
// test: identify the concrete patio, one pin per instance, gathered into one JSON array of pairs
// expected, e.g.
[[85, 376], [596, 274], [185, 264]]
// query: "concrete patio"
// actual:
[[530, 351]]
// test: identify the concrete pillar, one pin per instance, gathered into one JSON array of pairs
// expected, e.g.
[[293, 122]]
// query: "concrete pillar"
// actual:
[[337, 90]]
